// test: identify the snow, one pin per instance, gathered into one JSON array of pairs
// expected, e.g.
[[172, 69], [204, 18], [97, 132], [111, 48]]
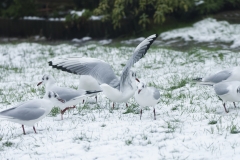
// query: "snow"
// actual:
[[33, 18], [95, 131], [78, 13], [94, 18], [57, 19], [76, 40], [198, 2], [105, 41], [136, 40], [207, 30]]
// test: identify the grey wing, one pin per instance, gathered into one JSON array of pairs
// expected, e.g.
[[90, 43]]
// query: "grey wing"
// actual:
[[25, 111], [218, 77], [156, 94], [221, 88], [68, 94], [96, 68], [138, 53]]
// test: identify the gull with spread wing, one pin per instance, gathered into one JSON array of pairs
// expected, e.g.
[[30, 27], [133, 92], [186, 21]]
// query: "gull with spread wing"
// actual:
[[30, 112], [116, 90], [71, 96]]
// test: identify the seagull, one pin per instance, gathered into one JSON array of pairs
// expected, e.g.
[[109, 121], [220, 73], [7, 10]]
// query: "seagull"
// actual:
[[88, 83], [228, 91], [69, 95], [231, 74], [147, 96], [117, 90], [30, 112]]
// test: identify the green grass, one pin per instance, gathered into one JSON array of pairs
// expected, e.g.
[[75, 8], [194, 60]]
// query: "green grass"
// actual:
[[55, 111], [212, 122], [7, 144]]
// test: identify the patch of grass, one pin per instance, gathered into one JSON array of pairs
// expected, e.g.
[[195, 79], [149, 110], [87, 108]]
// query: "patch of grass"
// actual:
[[180, 84], [174, 108], [54, 111], [133, 108], [170, 127], [82, 137], [103, 125], [212, 122], [7, 144], [12, 68], [234, 130], [220, 56], [129, 141]]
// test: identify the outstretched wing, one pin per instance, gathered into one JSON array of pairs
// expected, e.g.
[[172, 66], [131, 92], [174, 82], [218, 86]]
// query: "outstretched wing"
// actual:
[[96, 68], [138, 53]]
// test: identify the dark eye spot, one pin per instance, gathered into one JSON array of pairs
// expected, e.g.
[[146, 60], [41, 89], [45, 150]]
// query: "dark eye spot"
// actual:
[[132, 74], [46, 78], [42, 78], [49, 95], [55, 95]]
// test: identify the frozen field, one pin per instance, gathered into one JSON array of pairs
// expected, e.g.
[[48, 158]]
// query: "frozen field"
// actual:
[[191, 121]]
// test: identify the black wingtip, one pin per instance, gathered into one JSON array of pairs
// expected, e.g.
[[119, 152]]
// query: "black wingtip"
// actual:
[[197, 79], [91, 92], [50, 63]]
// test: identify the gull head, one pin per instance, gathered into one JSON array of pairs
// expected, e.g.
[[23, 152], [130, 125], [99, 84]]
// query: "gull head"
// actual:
[[140, 86], [54, 96], [133, 76], [47, 79]]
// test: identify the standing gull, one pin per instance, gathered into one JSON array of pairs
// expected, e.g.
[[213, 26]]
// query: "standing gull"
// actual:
[[231, 74], [147, 96], [228, 91], [116, 90], [30, 112], [69, 95]]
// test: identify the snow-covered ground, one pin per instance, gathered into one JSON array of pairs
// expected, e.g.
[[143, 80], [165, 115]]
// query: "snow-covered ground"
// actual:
[[191, 122], [207, 33]]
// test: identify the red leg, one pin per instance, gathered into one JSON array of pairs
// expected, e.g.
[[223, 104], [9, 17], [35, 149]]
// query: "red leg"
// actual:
[[34, 129], [113, 105], [83, 101], [61, 115], [23, 130], [96, 98], [154, 114], [141, 114], [225, 108], [126, 105], [234, 104]]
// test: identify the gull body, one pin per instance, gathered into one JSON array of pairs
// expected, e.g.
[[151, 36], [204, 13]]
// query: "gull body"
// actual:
[[147, 96], [117, 90], [30, 112], [71, 96]]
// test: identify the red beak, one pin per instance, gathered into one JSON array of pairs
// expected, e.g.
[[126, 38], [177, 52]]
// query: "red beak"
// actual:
[[61, 100], [137, 80], [39, 83], [139, 91]]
